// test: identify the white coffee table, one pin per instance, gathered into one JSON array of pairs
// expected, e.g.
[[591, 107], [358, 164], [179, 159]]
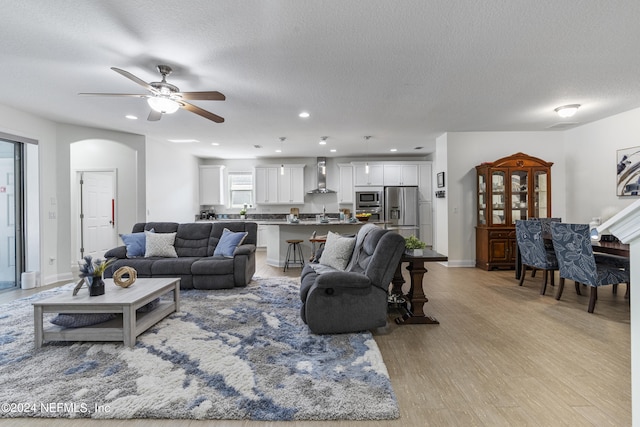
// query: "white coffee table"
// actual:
[[124, 301]]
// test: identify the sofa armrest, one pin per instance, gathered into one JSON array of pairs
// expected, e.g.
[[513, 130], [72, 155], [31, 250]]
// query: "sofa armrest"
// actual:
[[119, 252], [244, 250], [342, 279]]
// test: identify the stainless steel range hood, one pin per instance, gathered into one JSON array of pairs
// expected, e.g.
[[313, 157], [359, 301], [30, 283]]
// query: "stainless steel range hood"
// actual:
[[322, 177]]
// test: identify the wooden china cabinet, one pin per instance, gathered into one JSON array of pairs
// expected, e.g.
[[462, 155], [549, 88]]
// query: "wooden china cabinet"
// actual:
[[509, 189]]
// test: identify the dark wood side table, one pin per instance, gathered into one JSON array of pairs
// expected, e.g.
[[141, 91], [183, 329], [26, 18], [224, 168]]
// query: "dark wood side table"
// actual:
[[416, 297]]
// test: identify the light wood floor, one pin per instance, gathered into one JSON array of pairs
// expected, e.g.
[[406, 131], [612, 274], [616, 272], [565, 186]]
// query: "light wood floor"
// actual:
[[503, 355]]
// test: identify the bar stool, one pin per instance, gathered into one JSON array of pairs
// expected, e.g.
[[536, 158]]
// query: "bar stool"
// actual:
[[320, 240], [295, 250]]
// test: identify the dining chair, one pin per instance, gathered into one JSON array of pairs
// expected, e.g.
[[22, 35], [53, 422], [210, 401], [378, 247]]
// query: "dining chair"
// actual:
[[572, 244], [533, 251]]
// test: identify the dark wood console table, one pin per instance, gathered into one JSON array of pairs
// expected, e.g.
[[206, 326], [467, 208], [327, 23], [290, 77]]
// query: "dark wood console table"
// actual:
[[416, 297]]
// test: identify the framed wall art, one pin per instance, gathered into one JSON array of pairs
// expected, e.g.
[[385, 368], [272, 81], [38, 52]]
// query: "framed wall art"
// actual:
[[628, 174]]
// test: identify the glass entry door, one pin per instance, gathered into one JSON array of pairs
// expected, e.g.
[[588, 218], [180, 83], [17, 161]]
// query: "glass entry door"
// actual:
[[11, 243]]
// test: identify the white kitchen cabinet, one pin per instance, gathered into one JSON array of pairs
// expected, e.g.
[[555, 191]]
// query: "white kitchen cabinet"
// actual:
[[266, 184], [261, 237], [210, 183], [272, 187], [425, 179], [374, 177], [345, 188], [400, 174], [291, 185]]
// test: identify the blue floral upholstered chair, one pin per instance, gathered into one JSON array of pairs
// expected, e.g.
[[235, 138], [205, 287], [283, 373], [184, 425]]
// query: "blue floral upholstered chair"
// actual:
[[572, 244], [533, 252]]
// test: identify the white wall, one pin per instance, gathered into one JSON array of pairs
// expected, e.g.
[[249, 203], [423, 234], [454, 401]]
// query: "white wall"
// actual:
[[172, 177], [18, 123], [466, 150], [440, 208], [590, 153]]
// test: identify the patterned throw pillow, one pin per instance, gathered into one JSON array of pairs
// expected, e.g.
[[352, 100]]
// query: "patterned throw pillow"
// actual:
[[160, 245], [79, 320], [228, 243], [337, 251]]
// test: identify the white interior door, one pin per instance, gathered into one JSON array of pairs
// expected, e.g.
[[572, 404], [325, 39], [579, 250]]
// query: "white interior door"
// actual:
[[7, 224], [97, 212]]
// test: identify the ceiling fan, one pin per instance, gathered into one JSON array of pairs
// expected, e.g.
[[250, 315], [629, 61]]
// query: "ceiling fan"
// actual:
[[166, 98]]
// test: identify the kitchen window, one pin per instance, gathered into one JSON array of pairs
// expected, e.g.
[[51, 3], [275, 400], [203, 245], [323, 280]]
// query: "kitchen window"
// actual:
[[240, 189]]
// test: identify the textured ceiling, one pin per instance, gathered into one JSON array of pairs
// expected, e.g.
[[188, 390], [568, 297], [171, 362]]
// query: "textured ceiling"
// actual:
[[403, 72]]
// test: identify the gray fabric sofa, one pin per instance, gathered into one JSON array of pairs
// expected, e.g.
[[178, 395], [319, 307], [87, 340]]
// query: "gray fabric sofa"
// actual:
[[195, 265], [335, 301]]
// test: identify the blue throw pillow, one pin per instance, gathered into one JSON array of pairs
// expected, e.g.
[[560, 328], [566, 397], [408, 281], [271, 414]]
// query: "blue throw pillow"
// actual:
[[135, 243], [228, 243], [79, 320]]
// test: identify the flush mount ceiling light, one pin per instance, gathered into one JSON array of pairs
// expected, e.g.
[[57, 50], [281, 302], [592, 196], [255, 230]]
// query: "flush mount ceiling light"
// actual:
[[567, 110], [163, 105], [303, 115], [323, 140]]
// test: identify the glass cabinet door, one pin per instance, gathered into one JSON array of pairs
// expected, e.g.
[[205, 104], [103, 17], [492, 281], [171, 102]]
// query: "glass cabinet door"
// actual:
[[482, 200], [519, 195], [540, 195], [498, 197]]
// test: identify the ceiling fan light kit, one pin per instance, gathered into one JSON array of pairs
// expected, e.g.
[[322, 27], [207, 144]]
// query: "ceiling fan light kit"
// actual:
[[163, 105], [165, 98]]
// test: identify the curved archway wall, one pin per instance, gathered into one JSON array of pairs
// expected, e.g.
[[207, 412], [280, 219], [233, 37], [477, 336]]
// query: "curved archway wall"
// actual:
[[97, 149]]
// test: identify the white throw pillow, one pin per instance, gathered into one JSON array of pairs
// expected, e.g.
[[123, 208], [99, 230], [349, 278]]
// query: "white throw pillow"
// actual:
[[337, 251], [160, 244]]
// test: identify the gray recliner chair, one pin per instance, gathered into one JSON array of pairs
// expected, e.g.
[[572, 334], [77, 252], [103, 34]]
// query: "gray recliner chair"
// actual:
[[335, 301]]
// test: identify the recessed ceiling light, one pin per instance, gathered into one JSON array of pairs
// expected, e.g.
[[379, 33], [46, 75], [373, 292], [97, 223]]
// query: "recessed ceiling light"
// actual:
[[333, 150], [183, 141], [567, 110], [393, 150], [131, 117], [304, 115], [278, 151], [215, 143]]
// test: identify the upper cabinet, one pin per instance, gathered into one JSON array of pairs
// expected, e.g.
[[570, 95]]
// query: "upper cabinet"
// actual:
[[276, 185], [345, 188], [374, 177], [400, 174], [211, 188], [291, 185]]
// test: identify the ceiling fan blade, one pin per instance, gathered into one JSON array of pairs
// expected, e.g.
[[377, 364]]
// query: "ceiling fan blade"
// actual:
[[135, 79], [154, 115], [133, 95], [204, 96], [204, 113]]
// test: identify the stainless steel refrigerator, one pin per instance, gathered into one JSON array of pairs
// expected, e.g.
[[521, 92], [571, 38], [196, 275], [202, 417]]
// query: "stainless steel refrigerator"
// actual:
[[401, 210]]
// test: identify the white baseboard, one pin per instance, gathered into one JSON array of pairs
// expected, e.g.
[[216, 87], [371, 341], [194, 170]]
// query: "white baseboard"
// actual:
[[56, 278], [461, 263]]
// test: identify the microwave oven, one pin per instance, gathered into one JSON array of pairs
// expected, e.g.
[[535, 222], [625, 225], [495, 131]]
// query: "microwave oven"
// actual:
[[368, 199]]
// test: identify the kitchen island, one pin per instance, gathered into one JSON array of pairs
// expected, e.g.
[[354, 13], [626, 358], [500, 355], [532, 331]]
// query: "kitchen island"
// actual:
[[278, 232]]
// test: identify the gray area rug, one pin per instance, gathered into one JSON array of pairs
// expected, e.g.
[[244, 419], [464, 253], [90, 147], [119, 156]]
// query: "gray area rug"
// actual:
[[228, 354]]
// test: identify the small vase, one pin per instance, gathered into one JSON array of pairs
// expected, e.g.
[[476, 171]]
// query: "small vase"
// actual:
[[243, 217], [96, 286], [414, 252]]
